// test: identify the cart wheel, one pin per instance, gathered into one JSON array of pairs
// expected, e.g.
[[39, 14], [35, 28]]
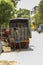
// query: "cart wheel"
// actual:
[[26, 46], [2, 50], [39, 31]]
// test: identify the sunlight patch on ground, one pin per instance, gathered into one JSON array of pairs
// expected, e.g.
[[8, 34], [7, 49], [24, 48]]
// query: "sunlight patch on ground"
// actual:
[[4, 62]]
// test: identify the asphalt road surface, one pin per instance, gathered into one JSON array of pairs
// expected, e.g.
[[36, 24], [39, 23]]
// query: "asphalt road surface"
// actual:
[[31, 56]]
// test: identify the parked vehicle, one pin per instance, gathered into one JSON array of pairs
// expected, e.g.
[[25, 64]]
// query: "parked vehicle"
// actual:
[[19, 32], [40, 28]]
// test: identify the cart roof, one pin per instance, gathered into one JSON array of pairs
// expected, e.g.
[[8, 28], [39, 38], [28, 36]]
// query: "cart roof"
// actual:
[[20, 19]]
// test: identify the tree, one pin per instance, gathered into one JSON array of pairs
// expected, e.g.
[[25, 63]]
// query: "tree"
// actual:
[[6, 11], [23, 13], [36, 18], [40, 9], [25, 16], [15, 2]]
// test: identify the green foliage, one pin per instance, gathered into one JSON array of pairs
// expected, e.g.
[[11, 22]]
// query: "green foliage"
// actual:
[[25, 16], [40, 9], [23, 13], [36, 18], [15, 2], [6, 11]]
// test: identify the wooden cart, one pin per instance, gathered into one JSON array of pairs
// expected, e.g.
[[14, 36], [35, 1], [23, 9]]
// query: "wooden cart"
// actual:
[[19, 33]]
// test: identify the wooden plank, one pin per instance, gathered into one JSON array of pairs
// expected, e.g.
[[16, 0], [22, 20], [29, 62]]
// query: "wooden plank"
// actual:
[[6, 49]]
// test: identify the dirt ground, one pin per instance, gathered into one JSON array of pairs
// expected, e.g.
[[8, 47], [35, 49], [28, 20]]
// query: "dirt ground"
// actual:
[[3, 62]]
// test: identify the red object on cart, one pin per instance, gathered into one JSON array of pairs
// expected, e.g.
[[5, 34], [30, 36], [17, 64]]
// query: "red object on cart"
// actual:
[[6, 32]]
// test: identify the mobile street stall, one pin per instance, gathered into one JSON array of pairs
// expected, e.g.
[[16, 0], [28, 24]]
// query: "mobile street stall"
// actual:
[[19, 33]]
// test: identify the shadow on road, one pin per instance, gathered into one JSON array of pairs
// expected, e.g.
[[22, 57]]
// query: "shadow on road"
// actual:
[[23, 50], [30, 48]]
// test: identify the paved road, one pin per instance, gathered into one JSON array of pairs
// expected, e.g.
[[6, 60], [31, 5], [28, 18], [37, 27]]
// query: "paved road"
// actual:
[[31, 56]]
